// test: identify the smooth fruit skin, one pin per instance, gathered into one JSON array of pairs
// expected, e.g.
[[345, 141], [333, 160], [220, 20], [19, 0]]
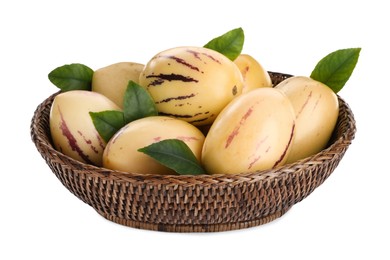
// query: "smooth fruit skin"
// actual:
[[316, 107], [113, 79], [253, 133], [122, 152], [71, 127], [191, 83], [253, 73]]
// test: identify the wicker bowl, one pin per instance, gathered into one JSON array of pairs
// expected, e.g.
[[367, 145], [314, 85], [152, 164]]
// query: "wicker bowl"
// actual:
[[206, 203]]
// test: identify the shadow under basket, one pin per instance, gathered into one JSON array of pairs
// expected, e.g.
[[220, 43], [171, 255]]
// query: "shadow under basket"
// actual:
[[206, 203]]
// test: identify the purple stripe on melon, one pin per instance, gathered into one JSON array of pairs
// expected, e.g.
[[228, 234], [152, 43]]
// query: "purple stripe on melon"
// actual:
[[254, 161], [199, 120], [101, 142], [304, 104], [176, 98], [182, 62], [212, 58], [179, 116], [317, 101], [195, 53], [287, 146], [187, 138], [258, 145], [160, 78], [71, 140], [197, 56], [174, 115], [89, 142], [236, 130]]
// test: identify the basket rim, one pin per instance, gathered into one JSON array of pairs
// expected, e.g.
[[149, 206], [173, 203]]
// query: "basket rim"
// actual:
[[113, 175]]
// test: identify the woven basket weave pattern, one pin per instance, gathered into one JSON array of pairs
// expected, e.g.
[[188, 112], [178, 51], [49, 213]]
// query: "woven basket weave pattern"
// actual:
[[193, 203]]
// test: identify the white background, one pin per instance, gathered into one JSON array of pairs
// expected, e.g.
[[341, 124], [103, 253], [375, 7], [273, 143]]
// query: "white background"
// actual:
[[345, 218]]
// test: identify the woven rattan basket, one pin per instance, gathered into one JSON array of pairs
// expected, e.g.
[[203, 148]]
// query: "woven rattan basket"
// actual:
[[205, 203]]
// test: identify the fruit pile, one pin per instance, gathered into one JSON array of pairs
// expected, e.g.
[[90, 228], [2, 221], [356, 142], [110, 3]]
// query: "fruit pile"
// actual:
[[196, 110]]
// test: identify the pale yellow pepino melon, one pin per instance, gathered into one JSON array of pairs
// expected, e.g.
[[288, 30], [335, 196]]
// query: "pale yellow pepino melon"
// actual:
[[316, 107], [122, 152], [253, 73], [253, 133], [191, 83], [113, 79], [71, 127]]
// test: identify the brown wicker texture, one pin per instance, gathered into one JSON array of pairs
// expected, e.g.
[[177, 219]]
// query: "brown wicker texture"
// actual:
[[206, 203]]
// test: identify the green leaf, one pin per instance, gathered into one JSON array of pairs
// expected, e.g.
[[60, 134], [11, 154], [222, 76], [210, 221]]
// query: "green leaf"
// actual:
[[74, 76], [335, 69], [229, 44], [137, 103], [107, 123], [176, 155]]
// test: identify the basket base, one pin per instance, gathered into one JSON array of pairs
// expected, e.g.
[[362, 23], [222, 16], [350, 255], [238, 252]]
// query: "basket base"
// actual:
[[194, 228]]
